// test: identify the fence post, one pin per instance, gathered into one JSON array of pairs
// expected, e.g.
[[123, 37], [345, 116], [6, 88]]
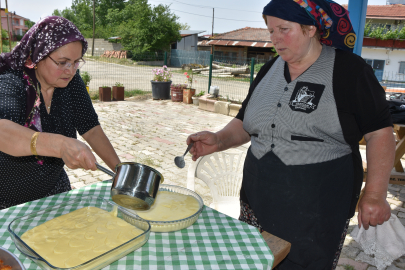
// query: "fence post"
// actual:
[[252, 70], [165, 61], [210, 73]]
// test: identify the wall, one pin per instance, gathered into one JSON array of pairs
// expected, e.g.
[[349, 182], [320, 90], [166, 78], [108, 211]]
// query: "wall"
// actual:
[[188, 43], [394, 56], [101, 45]]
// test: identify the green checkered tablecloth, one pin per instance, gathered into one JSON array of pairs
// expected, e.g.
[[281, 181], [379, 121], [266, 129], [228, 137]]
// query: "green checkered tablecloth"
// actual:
[[214, 241]]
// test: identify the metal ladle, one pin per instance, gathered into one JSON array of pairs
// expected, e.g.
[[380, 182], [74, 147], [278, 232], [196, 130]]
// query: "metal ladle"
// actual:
[[179, 160]]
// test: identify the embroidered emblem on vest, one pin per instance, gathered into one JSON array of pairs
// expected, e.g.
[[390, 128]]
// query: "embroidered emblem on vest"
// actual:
[[306, 96]]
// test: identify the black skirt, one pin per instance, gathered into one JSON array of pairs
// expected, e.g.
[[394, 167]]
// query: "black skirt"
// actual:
[[306, 205]]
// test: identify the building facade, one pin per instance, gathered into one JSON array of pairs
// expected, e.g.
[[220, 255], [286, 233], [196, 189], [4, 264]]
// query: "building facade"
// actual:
[[16, 24]]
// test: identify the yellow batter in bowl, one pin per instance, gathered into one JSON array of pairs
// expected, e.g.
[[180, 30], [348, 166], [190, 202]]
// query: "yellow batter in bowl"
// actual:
[[175, 208]]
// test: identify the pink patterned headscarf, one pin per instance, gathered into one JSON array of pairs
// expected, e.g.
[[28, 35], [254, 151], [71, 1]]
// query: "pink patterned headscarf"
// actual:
[[44, 37]]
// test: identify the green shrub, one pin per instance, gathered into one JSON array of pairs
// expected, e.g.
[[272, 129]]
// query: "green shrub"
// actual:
[[86, 77]]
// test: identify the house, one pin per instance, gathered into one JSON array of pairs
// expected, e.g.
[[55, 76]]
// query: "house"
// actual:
[[240, 44], [189, 40], [16, 24], [387, 57]]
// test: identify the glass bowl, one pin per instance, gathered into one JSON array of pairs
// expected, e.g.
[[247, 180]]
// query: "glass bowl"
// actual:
[[10, 259], [175, 225], [20, 225]]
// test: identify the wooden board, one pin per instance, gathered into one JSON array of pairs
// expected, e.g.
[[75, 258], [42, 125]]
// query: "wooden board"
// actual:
[[278, 246]]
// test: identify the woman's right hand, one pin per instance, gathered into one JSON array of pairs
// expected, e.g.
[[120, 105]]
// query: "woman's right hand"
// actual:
[[205, 143], [76, 155]]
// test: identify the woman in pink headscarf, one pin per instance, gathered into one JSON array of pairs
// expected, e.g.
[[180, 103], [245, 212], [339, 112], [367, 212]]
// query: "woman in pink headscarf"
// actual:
[[43, 103]]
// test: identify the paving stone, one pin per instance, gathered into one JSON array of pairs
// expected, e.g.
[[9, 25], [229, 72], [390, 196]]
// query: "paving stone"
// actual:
[[400, 265], [78, 184], [80, 172], [395, 202], [393, 267], [355, 264], [351, 251]]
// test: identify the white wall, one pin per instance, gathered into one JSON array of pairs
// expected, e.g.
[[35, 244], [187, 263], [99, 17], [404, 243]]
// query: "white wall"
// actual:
[[394, 57]]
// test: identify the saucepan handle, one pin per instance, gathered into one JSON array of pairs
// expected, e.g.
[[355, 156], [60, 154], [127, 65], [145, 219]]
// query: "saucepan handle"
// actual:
[[107, 171]]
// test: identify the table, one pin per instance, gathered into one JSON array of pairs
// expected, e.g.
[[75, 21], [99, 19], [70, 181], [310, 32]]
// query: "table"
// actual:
[[397, 175], [215, 241]]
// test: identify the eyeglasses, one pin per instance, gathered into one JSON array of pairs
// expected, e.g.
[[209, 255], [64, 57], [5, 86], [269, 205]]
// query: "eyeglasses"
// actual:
[[67, 65]]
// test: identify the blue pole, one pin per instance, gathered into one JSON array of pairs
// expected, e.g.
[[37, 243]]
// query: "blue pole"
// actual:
[[358, 10]]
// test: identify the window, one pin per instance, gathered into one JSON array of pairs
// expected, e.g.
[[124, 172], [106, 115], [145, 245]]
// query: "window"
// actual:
[[402, 67], [378, 67]]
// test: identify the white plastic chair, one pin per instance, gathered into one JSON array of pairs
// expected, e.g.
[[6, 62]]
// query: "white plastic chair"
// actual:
[[222, 172]]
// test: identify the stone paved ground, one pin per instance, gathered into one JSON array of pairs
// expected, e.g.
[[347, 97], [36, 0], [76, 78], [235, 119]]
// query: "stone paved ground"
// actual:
[[154, 133]]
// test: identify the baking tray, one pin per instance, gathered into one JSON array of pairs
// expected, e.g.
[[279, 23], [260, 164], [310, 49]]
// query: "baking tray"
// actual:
[[20, 225]]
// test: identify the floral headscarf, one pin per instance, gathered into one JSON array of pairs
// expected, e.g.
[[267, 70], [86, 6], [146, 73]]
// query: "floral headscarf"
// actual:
[[330, 18], [43, 38]]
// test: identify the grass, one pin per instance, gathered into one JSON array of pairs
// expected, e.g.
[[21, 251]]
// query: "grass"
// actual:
[[127, 94], [6, 48], [348, 267]]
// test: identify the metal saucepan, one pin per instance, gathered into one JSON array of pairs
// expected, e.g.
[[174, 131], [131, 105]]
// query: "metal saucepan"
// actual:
[[134, 185]]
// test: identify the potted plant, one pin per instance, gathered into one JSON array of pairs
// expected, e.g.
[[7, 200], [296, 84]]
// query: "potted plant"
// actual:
[[177, 91], [196, 97], [104, 93], [161, 83], [86, 77], [118, 91], [189, 92]]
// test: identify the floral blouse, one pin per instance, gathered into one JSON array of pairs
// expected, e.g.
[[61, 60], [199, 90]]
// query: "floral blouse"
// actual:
[[25, 179]]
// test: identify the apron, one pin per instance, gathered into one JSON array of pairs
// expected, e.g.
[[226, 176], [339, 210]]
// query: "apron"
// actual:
[[306, 205]]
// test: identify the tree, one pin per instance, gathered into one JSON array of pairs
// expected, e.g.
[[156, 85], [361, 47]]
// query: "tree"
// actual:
[[29, 24], [144, 28], [103, 6], [184, 26]]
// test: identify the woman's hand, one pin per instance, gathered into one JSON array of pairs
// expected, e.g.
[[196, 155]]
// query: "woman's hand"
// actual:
[[205, 143], [76, 155], [373, 210]]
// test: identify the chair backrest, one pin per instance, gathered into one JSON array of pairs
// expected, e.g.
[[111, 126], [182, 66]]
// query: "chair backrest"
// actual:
[[222, 172]]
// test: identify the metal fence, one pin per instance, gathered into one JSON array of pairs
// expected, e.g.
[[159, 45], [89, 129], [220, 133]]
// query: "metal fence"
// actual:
[[392, 80], [232, 76]]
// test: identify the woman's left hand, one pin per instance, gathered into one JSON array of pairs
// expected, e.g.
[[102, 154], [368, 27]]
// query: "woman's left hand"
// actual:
[[373, 210]]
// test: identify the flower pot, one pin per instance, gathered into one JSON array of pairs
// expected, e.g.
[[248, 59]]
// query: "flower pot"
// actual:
[[369, 42], [118, 93], [161, 90], [195, 100], [104, 93], [399, 43], [187, 95], [88, 91], [385, 43], [177, 94]]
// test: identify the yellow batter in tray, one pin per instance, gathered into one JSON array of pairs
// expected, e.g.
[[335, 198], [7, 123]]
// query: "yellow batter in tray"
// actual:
[[77, 237]]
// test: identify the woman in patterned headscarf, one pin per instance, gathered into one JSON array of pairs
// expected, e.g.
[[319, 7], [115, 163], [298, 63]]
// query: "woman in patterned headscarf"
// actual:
[[43, 103], [304, 115]]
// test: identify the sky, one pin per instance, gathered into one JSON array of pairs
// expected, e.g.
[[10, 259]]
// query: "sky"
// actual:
[[229, 15]]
